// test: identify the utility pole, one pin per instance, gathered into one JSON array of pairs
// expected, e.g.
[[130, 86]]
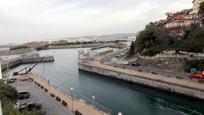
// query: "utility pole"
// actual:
[[72, 98], [1, 113]]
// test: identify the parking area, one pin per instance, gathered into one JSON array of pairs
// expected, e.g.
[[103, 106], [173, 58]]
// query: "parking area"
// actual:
[[49, 104]]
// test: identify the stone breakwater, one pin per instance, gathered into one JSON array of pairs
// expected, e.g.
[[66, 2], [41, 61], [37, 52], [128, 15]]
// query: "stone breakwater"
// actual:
[[25, 60], [170, 84]]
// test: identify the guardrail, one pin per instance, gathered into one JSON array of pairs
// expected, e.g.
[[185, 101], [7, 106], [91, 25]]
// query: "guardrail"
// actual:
[[95, 104]]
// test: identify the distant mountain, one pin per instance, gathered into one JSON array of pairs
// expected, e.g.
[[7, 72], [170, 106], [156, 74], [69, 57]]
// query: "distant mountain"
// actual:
[[107, 37]]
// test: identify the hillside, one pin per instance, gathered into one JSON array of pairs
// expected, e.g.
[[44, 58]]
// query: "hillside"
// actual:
[[154, 39]]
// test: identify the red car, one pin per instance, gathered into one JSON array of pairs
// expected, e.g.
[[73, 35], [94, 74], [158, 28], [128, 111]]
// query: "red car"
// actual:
[[197, 75]]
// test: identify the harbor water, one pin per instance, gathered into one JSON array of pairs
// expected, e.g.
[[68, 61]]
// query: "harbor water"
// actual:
[[118, 96]]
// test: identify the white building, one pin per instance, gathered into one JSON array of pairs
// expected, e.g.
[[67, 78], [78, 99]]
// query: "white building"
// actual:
[[101, 51], [196, 5]]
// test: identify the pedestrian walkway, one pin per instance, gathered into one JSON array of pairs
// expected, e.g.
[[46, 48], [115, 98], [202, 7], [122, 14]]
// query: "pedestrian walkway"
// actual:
[[79, 107]]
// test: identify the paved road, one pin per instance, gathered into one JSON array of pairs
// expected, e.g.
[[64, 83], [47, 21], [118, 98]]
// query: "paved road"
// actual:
[[50, 105], [150, 70], [107, 60]]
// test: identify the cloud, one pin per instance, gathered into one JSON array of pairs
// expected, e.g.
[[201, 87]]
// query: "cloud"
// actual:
[[25, 20]]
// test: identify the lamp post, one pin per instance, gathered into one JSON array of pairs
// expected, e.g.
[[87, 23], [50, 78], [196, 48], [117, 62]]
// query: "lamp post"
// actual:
[[93, 97], [120, 113], [72, 97], [1, 113], [49, 85]]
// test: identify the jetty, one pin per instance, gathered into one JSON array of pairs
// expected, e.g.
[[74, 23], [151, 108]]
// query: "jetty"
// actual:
[[24, 59]]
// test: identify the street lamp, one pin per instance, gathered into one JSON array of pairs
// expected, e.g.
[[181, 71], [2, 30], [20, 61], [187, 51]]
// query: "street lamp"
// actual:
[[120, 113], [93, 97], [1, 113], [72, 97]]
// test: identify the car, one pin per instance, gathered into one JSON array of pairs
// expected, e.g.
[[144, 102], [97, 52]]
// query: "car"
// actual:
[[23, 95], [135, 64], [30, 106], [197, 75], [10, 81]]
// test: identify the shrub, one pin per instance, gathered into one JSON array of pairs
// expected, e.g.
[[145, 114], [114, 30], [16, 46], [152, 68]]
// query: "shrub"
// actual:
[[58, 98]]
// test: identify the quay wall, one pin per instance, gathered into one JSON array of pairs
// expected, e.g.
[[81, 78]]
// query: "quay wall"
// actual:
[[182, 89]]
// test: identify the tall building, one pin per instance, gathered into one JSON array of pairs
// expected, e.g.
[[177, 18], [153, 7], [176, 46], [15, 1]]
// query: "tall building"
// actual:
[[196, 5]]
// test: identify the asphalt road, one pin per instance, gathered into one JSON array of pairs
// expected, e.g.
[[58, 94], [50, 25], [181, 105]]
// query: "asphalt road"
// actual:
[[107, 60], [49, 104], [152, 70]]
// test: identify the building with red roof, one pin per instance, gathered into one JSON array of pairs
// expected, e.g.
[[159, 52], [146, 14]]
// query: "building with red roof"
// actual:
[[178, 22]]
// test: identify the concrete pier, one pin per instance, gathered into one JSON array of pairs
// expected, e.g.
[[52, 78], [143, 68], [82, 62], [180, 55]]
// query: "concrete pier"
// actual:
[[78, 106], [169, 84]]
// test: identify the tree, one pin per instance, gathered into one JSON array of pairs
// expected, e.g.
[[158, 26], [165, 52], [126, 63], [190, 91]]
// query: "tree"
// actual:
[[152, 40], [197, 64], [194, 41], [131, 51], [8, 96], [8, 92], [201, 8]]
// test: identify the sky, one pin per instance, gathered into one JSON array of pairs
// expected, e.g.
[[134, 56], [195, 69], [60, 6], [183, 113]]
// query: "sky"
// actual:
[[29, 20]]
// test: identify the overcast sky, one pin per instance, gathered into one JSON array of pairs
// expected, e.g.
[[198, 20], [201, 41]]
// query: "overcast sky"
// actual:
[[27, 20]]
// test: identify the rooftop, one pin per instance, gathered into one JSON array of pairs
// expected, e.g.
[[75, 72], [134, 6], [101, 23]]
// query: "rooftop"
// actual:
[[101, 50]]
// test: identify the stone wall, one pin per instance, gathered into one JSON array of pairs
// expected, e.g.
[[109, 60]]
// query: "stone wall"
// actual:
[[174, 65]]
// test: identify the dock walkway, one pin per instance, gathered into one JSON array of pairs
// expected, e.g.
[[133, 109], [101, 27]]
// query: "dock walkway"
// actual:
[[80, 107]]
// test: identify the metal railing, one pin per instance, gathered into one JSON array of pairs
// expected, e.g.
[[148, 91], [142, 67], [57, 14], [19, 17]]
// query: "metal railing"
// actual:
[[95, 104], [84, 98]]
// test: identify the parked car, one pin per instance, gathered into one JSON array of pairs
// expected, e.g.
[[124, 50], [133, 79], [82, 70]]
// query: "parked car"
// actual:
[[135, 64], [23, 95], [30, 106], [197, 75], [10, 81]]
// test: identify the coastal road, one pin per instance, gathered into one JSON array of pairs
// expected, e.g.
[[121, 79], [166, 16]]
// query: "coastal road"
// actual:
[[107, 60], [151, 70], [108, 57]]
